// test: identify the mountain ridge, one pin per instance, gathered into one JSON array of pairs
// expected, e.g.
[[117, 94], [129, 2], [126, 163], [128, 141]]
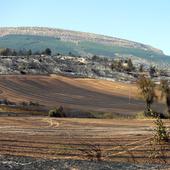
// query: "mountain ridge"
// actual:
[[76, 37]]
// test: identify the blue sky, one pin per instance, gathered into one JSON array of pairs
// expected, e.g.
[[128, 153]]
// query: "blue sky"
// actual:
[[146, 21]]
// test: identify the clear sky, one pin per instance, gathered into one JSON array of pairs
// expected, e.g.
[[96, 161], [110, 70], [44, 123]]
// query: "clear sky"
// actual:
[[146, 21]]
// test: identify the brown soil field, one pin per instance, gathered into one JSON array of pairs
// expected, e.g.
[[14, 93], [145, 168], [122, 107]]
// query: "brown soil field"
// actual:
[[63, 138], [73, 93]]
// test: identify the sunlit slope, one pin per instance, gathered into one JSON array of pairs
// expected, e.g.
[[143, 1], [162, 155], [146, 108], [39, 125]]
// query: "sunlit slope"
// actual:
[[82, 94]]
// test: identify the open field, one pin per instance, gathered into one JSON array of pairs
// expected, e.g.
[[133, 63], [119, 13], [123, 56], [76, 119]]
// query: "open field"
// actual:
[[61, 138], [82, 94]]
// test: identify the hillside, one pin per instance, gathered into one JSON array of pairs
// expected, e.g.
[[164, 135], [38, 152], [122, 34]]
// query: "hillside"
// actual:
[[74, 93], [73, 36], [78, 43]]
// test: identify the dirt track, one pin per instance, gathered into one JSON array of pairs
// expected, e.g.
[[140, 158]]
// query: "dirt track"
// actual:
[[83, 94]]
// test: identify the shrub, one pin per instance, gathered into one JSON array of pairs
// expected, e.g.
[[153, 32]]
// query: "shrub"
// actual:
[[161, 134], [34, 103], [150, 114], [6, 102], [24, 103], [47, 51], [159, 144], [57, 112], [153, 114]]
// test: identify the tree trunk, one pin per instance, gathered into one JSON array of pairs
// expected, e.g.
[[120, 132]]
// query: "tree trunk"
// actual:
[[168, 103], [148, 108]]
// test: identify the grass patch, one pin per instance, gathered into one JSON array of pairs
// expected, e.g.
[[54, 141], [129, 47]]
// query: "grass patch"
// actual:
[[22, 110], [152, 115], [109, 115]]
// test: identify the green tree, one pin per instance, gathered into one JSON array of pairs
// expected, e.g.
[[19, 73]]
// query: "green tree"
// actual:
[[58, 112], [130, 65], [6, 52], [117, 65], [29, 52], [147, 90], [47, 51], [152, 71], [165, 92], [141, 68], [14, 53], [21, 53]]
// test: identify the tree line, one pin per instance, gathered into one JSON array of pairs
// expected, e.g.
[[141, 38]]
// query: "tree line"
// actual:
[[24, 52]]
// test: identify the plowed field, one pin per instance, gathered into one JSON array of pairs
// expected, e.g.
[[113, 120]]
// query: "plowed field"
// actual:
[[83, 94], [119, 140]]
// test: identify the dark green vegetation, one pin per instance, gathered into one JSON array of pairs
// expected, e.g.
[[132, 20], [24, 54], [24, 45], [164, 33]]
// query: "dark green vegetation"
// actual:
[[36, 43], [159, 143], [39, 43], [161, 132], [23, 52], [57, 112]]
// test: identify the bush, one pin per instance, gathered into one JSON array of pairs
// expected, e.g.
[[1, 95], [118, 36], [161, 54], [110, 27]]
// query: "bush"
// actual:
[[47, 51], [57, 112], [24, 103], [150, 114], [34, 103], [154, 114], [6, 102], [159, 144], [161, 132]]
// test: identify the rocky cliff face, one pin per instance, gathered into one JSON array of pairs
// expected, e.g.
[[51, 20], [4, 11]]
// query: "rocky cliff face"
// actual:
[[75, 36]]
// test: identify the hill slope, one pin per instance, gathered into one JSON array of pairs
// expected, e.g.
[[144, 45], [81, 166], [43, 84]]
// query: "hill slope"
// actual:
[[73, 93], [78, 43]]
